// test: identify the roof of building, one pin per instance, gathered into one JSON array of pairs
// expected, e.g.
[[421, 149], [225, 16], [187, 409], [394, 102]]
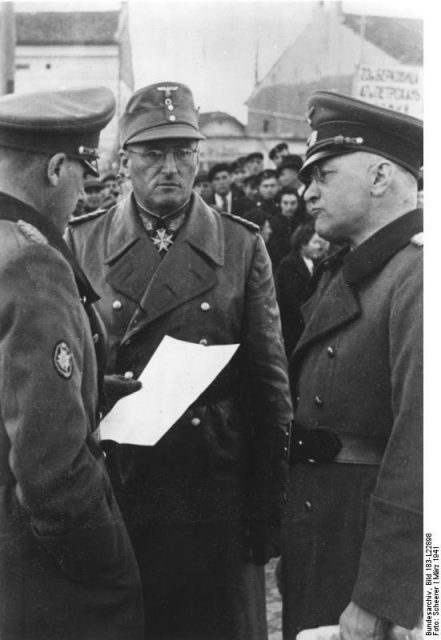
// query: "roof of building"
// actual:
[[401, 38], [219, 116], [67, 28]]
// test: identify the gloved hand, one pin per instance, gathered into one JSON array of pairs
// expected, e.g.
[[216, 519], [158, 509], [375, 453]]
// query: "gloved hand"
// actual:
[[358, 624], [262, 541], [116, 387]]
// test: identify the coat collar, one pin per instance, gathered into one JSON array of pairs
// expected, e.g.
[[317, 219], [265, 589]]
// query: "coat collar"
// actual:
[[202, 230], [15, 210], [135, 269], [339, 303], [379, 248]]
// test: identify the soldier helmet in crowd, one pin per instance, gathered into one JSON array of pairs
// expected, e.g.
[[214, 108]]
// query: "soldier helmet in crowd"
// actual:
[[342, 125], [53, 122], [279, 148], [217, 168], [158, 111]]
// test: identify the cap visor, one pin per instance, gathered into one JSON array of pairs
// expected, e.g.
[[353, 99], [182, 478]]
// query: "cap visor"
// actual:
[[316, 157], [169, 131], [92, 168]]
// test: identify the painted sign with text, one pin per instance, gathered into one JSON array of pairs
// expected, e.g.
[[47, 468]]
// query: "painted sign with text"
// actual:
[[399, 88]]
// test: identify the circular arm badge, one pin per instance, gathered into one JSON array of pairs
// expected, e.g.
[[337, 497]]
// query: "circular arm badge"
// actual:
[[63, 359]]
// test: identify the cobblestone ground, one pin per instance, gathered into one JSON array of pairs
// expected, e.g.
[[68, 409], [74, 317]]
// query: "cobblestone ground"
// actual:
[[273, 603]]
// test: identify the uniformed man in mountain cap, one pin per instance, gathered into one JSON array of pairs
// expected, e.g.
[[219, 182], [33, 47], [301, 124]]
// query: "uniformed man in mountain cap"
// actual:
[[67, 568], [353, 538], [203, 506]]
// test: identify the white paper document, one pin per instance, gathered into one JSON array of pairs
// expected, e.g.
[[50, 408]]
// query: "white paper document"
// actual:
[[175, 377]]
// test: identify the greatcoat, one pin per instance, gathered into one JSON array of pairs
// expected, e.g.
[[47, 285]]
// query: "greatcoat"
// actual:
[[354, 525], [223, 461], [67, 568]]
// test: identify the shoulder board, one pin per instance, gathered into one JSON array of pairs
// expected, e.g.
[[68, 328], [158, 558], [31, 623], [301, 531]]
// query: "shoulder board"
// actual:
[[31, 233], [418, 239], [245, 223], [87, 216]]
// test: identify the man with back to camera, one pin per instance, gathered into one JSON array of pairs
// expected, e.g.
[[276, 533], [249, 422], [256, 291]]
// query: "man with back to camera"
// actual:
[[353, 536], [203, 505], [67, 568]]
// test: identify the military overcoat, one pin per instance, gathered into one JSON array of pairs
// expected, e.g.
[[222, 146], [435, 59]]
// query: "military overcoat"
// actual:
[[354, 526], [224, 458], [67, 568]]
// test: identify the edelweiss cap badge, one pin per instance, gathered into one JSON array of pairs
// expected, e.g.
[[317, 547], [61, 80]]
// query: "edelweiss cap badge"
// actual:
[[63, 359]]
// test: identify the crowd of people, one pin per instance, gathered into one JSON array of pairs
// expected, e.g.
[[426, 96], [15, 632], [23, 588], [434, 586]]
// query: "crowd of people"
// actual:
[[307, 446]]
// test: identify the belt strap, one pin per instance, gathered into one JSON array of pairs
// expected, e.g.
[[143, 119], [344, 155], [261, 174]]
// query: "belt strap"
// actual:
[[358, 449]]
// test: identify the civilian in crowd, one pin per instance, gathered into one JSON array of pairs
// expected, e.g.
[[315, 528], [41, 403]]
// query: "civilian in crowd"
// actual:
[[278, 152], [353, 546], [203, 506], [223, 197], [288, 172], [250, 184], [93, 188], [238, 175], [111, 191], [267, 190], [293, 276], [67, 568], [203, 186], [254, 163], [283, 224]]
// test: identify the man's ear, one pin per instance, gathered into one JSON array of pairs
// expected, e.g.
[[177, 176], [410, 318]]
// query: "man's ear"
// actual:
[[124, 169], [382, 173], [55, 167]]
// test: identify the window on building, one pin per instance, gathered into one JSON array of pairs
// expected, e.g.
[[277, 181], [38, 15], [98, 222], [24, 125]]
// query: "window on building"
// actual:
[[266, 126]]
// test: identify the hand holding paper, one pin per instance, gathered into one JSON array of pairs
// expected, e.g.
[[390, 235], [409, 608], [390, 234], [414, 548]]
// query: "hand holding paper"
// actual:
[[175, 377]]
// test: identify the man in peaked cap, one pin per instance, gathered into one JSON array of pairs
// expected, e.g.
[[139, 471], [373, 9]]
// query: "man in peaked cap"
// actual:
[[353, 538], [67, 566], [288, 172], [203, 506]]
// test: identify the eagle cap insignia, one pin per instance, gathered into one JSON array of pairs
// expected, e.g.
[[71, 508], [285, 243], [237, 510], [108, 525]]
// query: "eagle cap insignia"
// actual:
[[167, 90], [63, 359]]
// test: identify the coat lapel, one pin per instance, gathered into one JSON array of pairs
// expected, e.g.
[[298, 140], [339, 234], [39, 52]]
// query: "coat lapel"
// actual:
[[187, 271], [131, 257], [337, 307]]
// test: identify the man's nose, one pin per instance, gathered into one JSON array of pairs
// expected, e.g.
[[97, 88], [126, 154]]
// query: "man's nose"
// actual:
[[311, 192], [169, 164]]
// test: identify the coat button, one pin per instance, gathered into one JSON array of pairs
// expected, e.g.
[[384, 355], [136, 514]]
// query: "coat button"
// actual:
[[95, 338], [195, 422], [205, 306], [203, 341], [318, 401], [331, 352], [117, 305], [308, 505], [128, 375]]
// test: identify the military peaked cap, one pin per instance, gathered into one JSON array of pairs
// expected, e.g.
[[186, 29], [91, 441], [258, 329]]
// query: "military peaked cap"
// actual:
[[342, 124], [161, 110], [57, 121]]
